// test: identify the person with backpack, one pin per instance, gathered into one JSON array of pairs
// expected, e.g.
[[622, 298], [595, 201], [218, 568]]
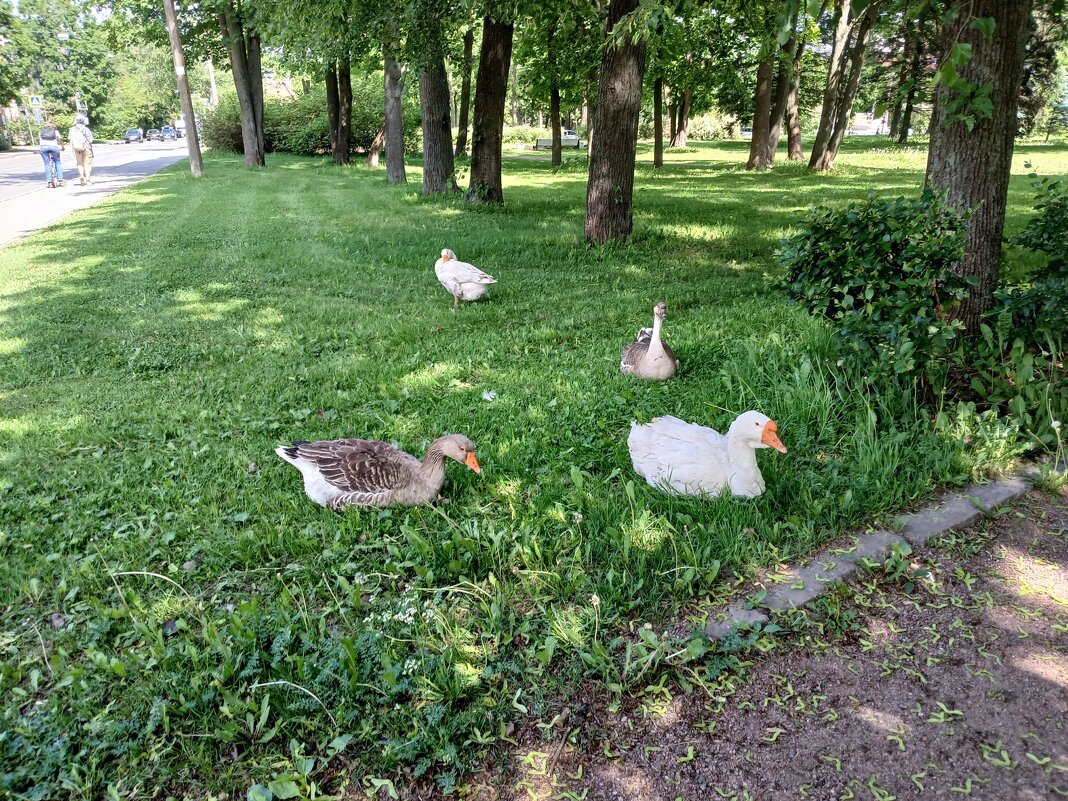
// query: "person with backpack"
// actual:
[[51, 147], [81, 141]]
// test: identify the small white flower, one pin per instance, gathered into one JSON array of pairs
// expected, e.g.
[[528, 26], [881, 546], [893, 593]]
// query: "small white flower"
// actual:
[[577, 517], [489, 395], [595, 601], [1056, 425]]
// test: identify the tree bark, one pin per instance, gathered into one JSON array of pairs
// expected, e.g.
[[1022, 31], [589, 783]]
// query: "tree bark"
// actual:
[[465, 93], [394, 119], [554, 98], [491, 87], [834, 78], [972, 167], [673, 114], [438, 169], [333, 106], [255, 85], [793, 114], [192, 142], [251, 122], [515, 93], [609, 193], [375, 149], [758, 145], [848, 83], [344, 88], [905, 123], [682, 118], [658, 123]]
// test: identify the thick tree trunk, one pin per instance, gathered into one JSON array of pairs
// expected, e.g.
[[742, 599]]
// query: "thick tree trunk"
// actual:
[[491, 87], [344, 93], [609, 193], [255, 85], [793, 114], [394, 119], [438, 170], [781, 97], [375, 149], [682, 119], [658, 123], [834, 78], [465, 94], [972, 166], [848, 84], [333, 109], [251, 122], [758, 145]]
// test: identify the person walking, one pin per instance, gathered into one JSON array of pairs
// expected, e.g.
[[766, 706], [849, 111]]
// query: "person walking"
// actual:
[[81, 142], [51, 147]]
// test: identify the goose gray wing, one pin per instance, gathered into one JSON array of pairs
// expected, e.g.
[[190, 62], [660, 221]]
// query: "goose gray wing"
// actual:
[[360, 466], [636, 350], [671, 354]]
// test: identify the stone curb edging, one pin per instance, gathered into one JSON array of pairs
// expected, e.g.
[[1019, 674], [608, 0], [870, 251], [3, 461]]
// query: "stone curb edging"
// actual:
[[956, 510]]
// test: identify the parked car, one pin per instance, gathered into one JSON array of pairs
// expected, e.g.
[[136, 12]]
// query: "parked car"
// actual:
[[168, 134], [569, 138], [153, 133], [133, 135], [747, 132]]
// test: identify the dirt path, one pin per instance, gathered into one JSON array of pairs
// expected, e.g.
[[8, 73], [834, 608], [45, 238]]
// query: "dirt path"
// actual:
[[958, 689]]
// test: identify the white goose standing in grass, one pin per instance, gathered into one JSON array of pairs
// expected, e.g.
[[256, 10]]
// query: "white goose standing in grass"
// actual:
[[462, 280], [694, 460], [361, 472], [648, 356]]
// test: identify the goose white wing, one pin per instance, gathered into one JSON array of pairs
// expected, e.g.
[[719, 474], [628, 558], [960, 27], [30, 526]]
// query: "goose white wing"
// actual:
[[688, 458], [463, 279]]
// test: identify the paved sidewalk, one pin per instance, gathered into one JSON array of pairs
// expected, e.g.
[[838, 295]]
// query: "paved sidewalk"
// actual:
[[27, 205]]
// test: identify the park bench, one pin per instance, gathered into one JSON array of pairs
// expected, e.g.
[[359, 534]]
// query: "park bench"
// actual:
[[547, 144]]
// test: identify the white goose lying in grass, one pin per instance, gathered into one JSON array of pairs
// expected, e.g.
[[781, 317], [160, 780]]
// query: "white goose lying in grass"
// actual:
[[693, 460], [361, 472], [648, 356], [462, 280]]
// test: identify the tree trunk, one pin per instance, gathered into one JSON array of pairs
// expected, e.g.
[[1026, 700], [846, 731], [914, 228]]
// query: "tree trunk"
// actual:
[[972, 167], [344, 93], [192, 141], [910, 98], [781, 96], [673, 113], [376, 147], [438, 170], [255, 85], [333, 106], [758, 145], [465, 93], [491, 87], [609, 193], [515, 94], [848, 84], [394, 119], [251, 136], [793, 114], [682, 119], [834, 77], [658, 123], [554, 98]]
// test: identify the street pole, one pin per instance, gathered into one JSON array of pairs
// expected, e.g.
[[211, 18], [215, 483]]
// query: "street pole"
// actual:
[[192, 140]]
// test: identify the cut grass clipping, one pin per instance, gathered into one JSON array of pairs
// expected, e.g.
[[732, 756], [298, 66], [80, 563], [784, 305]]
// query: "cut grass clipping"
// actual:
[[178, 614]]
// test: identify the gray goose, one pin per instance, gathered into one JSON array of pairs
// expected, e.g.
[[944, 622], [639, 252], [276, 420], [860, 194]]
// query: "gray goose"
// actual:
[[648, 356], [361, 472]]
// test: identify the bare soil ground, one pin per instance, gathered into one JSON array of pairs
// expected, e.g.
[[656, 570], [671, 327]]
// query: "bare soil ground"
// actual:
[[955, 689]]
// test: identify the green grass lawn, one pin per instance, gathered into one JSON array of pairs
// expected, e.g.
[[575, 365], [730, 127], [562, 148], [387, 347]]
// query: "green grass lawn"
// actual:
[[156, 348]]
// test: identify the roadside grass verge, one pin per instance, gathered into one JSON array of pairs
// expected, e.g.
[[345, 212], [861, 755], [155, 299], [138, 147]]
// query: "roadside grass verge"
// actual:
[[179, 616]]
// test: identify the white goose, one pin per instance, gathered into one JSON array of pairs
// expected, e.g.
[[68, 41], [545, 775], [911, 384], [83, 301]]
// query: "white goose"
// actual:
[[694, 460], [462, 280], [648, 356]]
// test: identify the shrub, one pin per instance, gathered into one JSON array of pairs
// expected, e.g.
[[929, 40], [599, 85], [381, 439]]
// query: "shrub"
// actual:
[[302, 125], [524, 134], [882, 271]]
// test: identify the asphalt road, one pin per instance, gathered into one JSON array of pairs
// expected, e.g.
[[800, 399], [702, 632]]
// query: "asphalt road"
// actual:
[[27, 205]]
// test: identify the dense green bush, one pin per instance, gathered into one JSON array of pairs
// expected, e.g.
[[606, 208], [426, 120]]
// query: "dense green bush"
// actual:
[[882, 271], [302, 126]]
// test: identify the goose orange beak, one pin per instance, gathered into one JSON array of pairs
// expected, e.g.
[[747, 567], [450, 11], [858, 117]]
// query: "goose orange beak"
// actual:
[[472, 462], [770, 437], [445, 257]]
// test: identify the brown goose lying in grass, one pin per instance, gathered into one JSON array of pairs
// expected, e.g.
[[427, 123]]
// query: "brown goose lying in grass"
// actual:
[[361, 472], [648, 356]]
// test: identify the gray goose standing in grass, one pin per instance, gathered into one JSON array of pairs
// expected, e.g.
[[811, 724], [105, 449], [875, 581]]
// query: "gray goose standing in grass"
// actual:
[[361, 472], [648, 356]]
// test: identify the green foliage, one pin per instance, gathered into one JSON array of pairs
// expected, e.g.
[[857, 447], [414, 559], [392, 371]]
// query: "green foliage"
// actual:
[[301, 126], [882, 271]]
